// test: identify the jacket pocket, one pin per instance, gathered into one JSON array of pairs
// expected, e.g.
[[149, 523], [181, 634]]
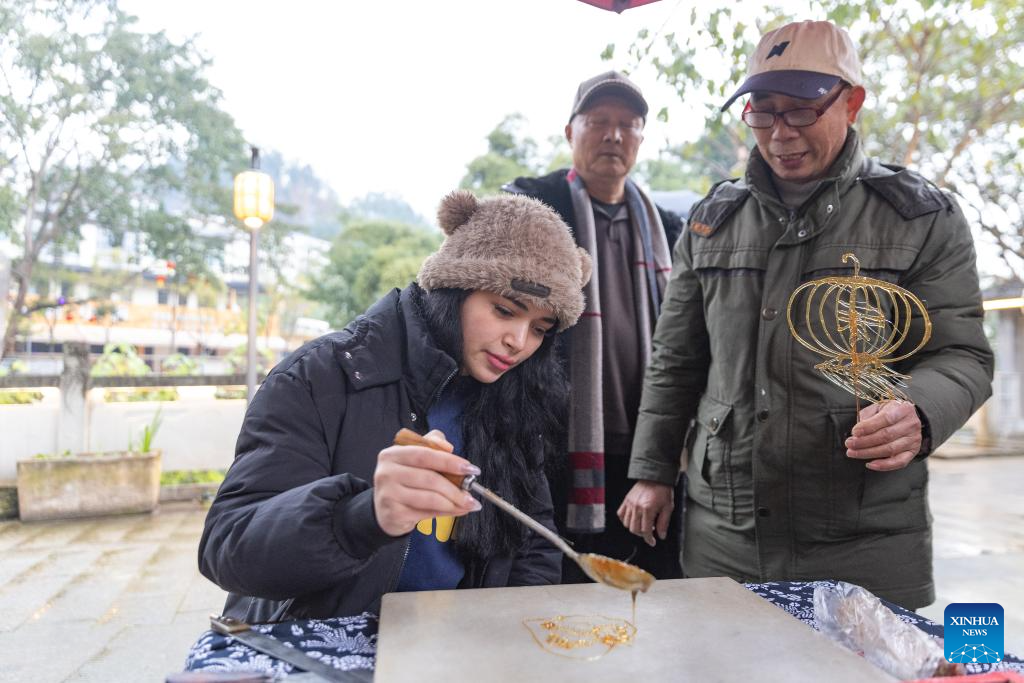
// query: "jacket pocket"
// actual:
[[731, 260], [712, 457], [864, 501], [845, 476], [895, 502], [883, 262]]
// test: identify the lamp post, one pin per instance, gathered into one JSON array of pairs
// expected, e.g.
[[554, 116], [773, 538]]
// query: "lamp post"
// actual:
[[254, 206], [5, 284]]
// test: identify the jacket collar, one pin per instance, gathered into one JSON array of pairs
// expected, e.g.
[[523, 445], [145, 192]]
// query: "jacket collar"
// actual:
[[391, 343], [842, 174], [825, 203]]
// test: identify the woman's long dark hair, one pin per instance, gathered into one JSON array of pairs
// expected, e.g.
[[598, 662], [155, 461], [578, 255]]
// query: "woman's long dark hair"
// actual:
[[509, 429]]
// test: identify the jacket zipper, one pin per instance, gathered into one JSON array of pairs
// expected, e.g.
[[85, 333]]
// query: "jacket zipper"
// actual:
[[405, 555], [408, 542], [440, 389]]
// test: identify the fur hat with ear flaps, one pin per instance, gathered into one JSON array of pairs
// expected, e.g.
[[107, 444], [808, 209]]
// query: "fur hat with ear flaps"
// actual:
[[511, 245]]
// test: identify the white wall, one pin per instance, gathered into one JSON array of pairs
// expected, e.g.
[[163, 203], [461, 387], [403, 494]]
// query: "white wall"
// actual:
[[144, 296], [1007, 406], [197, 431], [26, 430]]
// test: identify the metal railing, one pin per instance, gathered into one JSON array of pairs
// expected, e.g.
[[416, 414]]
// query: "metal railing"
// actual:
[[36, 381]]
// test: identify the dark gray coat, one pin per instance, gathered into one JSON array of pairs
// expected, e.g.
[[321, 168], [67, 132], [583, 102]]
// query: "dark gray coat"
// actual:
[[774, 495], [292, 532]]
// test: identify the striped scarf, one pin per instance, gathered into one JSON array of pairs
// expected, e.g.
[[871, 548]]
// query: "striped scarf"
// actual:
[[586, 511]]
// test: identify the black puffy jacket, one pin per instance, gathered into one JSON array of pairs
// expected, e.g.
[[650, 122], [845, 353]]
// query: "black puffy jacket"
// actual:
[[292, 532]]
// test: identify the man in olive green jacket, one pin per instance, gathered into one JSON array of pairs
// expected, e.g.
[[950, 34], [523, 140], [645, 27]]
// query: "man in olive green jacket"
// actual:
[[784, 481]]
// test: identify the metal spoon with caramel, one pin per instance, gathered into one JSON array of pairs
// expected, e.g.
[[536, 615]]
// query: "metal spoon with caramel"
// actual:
[[606, 570]]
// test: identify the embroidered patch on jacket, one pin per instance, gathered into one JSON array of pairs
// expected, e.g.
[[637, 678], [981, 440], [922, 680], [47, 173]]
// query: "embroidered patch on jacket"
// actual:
[[702, 229]]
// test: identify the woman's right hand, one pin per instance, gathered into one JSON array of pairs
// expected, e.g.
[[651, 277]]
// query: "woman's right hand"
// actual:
[[408, 486]]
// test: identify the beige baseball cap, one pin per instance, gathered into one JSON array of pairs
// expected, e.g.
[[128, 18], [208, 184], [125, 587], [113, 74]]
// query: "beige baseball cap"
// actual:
[[804, 59]]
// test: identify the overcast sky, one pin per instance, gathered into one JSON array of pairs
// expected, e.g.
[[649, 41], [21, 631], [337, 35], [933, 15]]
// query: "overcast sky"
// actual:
[[398, 95]]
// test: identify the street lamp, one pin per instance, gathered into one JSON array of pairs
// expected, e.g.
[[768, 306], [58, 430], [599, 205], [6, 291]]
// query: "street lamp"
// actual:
[[254, 206]]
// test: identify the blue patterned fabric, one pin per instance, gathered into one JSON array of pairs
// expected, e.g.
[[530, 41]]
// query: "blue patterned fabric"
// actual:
[[344, 643], [351, 642], [797, 598]]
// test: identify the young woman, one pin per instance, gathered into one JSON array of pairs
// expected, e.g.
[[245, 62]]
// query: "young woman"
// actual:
[[320, 515]]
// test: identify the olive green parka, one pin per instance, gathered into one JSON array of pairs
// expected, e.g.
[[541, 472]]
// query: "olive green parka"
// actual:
[[772, 494]]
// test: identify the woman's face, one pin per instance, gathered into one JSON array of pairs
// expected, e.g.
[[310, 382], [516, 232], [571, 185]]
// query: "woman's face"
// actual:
[[499, 333]]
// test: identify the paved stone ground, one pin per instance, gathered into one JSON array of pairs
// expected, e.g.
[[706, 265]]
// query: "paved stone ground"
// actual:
[[112, 599], [978, 510], [120, 599]]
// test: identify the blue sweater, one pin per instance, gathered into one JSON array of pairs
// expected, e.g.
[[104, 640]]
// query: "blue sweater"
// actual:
[[432, 562]]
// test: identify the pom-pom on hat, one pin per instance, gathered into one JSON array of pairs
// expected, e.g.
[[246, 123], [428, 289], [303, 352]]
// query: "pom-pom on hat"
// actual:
[[511, 245]]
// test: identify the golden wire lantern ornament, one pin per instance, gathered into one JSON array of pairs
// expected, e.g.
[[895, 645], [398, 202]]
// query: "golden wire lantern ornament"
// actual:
[[845, 320]]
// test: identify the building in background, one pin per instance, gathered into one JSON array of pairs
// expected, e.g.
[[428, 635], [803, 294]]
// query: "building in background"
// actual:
[[106, 293], [1004, 322]]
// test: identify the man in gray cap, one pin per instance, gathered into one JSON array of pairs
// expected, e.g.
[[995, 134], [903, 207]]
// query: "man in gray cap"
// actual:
[[786, 481], [629, 240]]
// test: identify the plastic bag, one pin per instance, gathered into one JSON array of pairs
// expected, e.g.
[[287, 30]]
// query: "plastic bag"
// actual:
[[859, 621]]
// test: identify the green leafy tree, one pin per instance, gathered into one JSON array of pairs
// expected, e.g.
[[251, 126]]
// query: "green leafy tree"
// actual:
[[315, 204], [667, 173], [368, 259], [559, 153], [103, 124], [943, 82], [380, 206], [238, 359], [509, 155]]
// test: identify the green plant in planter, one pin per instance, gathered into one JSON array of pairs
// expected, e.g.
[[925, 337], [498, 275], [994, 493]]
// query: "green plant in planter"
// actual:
[[179, 477], [20, 397], [141, 394], [145, 444], [230, 392], [17, 367], [47, 456], [179, 365], [119, 360]]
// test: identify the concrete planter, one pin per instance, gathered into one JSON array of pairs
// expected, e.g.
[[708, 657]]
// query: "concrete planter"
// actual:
[[8, 499], [88, 484]]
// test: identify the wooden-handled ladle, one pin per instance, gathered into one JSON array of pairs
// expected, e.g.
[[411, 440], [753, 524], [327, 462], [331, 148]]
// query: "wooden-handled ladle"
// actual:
[[602, 569]]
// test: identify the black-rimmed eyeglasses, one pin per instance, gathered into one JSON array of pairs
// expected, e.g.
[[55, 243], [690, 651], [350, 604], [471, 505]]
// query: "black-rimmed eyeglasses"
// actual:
[[794, 118]]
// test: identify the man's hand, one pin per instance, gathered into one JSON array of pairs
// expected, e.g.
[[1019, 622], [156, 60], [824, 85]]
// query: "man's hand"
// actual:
[[648, 508], [408, 486], [888, 436]]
